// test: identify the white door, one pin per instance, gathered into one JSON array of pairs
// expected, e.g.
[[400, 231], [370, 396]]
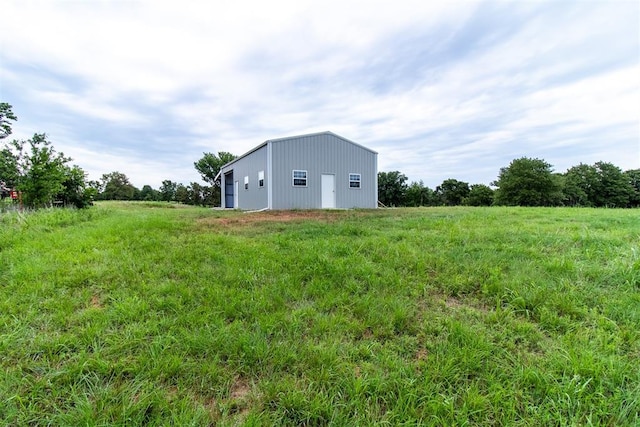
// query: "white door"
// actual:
[[235, 195], [328, 191]]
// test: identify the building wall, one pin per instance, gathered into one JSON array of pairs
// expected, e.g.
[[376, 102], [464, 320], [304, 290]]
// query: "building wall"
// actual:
[[319, 154], [255, 197]]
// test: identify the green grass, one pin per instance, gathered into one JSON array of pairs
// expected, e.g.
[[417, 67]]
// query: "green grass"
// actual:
[[144, 314]]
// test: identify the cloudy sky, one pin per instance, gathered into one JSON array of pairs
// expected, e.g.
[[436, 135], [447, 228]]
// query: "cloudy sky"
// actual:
[[453, 89]]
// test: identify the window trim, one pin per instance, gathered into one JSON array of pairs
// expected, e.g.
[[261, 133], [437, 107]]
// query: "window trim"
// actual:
[[355, 181], [294, 178], [260, 179], [246, 182]]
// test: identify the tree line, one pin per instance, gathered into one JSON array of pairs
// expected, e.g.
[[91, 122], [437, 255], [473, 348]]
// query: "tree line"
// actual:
[[116, 185], [524, 182], [43, 177], [35, 174]]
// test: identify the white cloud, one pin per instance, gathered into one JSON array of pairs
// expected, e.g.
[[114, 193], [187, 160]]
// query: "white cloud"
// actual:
[[438, 88]]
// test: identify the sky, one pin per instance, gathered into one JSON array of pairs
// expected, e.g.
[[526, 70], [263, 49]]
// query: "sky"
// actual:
[[441, 90]]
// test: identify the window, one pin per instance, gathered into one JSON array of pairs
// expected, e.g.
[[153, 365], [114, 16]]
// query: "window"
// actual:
[[246, 182], [299, 178], [354, 180], [261, 179]]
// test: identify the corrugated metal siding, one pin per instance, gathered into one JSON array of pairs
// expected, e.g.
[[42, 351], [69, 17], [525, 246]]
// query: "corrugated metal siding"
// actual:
[[255, 197], [322, 154]]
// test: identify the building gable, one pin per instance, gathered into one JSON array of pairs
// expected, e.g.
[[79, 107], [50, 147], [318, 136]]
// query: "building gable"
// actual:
[[295, 173]]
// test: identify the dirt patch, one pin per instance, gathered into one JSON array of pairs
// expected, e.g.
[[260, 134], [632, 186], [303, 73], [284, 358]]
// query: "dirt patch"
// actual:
[[367, 334], [472, 304], [453, 302], [95, 302], [235, 407], [239, 399], [422, 354], [357, 371], [211, 405], [439, 301], [239, 389]]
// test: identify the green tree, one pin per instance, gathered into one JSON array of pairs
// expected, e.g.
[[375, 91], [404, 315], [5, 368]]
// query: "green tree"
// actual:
[[149, 194], [75, 191], [598, 185], [182, 194], [95, 187], [196, 196], [8, 162], [9, 172], [41, 170], [208, 194], [116, 186], [527, 182], [392, 188], [479, 195], [614, 189], [168, 190], [419, 195], [209, 166], [6, 115], [633, 178], [38, 171], [452, 191], [580, 185]]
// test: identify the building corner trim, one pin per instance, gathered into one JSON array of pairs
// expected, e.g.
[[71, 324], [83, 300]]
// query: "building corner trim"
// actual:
[[269, 175]]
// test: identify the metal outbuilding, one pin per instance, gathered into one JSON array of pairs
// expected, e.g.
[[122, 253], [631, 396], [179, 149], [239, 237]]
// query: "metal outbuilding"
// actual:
[[314, 171]]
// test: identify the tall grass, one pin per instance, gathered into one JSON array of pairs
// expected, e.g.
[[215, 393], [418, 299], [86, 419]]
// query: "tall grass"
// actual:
[[143, 314]]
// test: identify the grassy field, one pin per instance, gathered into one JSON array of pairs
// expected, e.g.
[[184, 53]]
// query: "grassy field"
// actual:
[[153, 314]]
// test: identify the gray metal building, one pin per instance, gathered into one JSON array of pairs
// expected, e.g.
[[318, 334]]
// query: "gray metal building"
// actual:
[[314, 171]]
